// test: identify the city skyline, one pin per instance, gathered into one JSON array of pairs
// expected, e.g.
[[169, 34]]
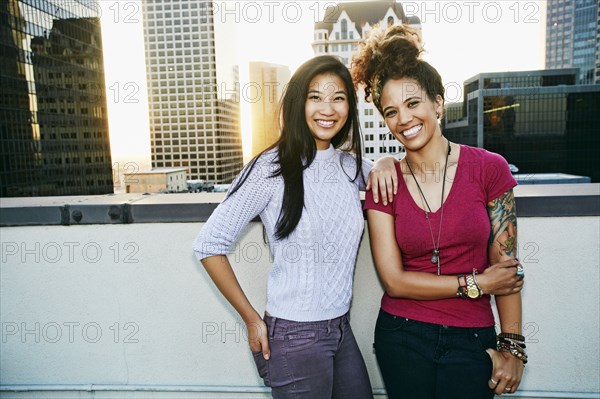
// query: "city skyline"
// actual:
[[462, 39]]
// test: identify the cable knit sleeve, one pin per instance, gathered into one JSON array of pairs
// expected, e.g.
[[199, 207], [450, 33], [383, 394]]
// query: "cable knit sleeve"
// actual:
[[235, 212]]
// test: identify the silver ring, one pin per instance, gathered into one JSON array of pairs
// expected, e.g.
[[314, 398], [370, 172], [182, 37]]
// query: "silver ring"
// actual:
[[494, 381], [520, 271], [508, 389]]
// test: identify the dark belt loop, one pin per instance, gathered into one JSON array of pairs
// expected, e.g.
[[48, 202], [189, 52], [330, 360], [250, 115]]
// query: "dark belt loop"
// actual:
[[272, 330], [345, 319]]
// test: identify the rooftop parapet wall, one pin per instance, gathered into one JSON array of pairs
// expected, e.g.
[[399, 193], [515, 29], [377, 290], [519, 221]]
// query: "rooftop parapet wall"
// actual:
[[552, 200], [122, 309]]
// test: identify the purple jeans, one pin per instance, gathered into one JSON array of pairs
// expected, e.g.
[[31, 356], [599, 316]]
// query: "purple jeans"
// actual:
[[317, 359]]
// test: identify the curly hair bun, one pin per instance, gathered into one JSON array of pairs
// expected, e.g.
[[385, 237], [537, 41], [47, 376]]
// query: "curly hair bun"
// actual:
[[393, 54], [402, 45]]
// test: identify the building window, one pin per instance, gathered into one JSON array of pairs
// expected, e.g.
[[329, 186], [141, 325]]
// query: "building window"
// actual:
[[344, 29]]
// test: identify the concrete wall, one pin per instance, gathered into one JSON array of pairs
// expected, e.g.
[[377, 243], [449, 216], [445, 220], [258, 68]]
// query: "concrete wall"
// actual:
[[125, 310]]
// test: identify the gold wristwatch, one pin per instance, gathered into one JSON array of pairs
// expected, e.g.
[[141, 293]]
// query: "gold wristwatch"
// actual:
[[473, 290]]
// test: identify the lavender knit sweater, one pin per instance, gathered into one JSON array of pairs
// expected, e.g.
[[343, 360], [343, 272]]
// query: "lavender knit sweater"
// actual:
[[313, 268]]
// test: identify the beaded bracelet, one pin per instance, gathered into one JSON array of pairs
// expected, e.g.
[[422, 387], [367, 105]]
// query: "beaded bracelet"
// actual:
[[514, 350], [509, 344], [518, 352], [475, 281], [509, 341], [517, 337]]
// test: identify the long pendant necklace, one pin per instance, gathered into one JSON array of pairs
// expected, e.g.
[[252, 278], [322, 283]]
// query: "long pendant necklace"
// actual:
[[435, 258]]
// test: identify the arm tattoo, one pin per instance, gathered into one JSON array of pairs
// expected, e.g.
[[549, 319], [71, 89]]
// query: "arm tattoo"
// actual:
[[503, 218]]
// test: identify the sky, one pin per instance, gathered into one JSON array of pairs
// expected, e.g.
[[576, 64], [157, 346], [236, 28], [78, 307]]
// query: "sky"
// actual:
[[461, 38]]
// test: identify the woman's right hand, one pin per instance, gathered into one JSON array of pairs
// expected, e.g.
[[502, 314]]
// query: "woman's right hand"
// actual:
[[383, 179], [258, 338], [220, 271], [501, 278]]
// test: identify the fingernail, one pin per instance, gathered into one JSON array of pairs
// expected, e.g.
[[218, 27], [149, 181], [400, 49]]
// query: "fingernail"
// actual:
[[267, 356]]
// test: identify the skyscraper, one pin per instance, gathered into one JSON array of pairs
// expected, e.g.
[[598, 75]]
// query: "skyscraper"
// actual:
[[269, 81], [573, 37], [53, 120], [541, 121], [194, 109], [343, 26]]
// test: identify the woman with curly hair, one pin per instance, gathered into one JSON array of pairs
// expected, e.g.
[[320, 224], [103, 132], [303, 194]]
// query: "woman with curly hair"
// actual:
[[444, 245]]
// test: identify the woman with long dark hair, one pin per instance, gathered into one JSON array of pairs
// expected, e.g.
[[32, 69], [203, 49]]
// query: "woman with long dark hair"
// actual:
[[453, 216], [305, 188]]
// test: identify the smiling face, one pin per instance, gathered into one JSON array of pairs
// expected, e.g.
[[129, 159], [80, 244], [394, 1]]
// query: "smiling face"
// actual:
[[409, 113], [326, 108]]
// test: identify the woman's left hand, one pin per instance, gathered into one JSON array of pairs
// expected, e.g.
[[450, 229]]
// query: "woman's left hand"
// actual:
[[383, 179], [507, 372]]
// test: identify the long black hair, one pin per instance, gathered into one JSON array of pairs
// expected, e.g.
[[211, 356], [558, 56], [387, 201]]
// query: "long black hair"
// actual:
[[296, 145]]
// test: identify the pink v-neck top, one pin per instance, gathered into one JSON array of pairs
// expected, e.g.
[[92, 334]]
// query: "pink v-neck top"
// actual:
[[481, 177]]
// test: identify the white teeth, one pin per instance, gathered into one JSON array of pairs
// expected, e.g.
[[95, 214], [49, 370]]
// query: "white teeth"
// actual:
[[325, 123], [412, 131]]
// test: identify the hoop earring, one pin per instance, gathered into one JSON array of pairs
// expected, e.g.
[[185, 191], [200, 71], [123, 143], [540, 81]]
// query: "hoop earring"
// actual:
[[438, 115]]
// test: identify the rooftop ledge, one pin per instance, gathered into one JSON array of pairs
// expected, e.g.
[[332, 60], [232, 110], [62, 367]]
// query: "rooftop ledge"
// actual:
[[538, 200]]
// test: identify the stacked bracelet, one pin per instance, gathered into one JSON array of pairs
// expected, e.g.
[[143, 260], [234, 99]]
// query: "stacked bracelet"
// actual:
[[473, 289], [461, 292], [475, 280], [517, 337], [513, 343]]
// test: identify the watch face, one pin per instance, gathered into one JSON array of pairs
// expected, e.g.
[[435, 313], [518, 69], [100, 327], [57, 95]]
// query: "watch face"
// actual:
[[473, 292]]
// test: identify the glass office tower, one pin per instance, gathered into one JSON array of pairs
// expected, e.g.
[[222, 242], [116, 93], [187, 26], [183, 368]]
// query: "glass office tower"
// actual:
[[540, 121], [53, 120], [573, 37]]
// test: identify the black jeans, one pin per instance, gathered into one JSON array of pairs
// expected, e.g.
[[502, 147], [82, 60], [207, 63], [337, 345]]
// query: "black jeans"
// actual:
[[431, 361]]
